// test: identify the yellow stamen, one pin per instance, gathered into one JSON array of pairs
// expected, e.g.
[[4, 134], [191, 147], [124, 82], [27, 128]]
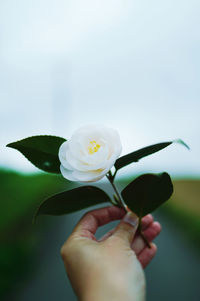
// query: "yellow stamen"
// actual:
[[94, 147]]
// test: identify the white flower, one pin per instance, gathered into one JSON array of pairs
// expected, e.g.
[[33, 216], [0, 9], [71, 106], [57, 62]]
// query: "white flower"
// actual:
[[90, 153]]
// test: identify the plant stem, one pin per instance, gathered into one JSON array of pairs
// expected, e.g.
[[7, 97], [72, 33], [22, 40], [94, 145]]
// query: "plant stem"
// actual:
[[114, 174], [111, 180], [121, 203]]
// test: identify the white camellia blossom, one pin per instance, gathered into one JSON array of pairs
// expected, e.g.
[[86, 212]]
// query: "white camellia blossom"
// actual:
[[90, 153]]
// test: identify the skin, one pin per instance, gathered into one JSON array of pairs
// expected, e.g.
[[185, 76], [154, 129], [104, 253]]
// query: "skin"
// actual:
[[110, 268]]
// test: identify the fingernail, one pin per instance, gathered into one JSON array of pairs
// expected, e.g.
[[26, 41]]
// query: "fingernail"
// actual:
[[131, 218]]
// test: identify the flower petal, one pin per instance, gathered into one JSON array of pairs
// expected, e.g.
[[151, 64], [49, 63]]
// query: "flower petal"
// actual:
[[62, 155], [67, 174], [90, 176]]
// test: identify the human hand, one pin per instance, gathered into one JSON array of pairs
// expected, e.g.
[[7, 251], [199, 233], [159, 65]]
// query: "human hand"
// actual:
[[109, 268]]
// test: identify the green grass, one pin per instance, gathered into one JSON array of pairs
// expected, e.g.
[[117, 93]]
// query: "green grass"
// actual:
[[20, 196], [184, 208]]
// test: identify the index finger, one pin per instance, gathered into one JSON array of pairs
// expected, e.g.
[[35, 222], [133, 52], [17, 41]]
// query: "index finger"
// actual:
[[90, 222]]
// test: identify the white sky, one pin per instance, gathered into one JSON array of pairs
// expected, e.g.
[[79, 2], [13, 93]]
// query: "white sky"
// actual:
[[133, 65]]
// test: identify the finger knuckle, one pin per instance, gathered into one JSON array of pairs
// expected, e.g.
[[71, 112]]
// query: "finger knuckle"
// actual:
[[65, 251]]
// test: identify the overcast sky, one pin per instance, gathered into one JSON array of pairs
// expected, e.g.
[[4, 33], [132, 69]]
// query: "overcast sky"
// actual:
[[133, 65]]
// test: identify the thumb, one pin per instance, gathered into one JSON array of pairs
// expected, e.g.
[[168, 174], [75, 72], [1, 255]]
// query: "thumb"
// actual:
[[127, 228]]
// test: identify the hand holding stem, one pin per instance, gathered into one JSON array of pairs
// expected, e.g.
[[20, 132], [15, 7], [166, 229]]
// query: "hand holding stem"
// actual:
[[120, 203]]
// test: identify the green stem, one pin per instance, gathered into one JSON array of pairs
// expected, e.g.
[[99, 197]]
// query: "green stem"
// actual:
[[121, 203], [113, 177], [111, 180]]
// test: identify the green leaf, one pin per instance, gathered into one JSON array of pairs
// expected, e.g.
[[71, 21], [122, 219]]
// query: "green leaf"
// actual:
[[147, 192], [143, 152], [73, 200], [42, 151]]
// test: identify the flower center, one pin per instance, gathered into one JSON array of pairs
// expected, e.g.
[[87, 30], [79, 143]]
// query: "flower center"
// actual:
[[93, 147]]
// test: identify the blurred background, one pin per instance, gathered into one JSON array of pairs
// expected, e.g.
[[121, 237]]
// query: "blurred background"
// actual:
[[132, 65]]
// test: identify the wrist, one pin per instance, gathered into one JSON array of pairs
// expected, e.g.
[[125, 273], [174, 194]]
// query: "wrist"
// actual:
[[105, 294], [110, 290]]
